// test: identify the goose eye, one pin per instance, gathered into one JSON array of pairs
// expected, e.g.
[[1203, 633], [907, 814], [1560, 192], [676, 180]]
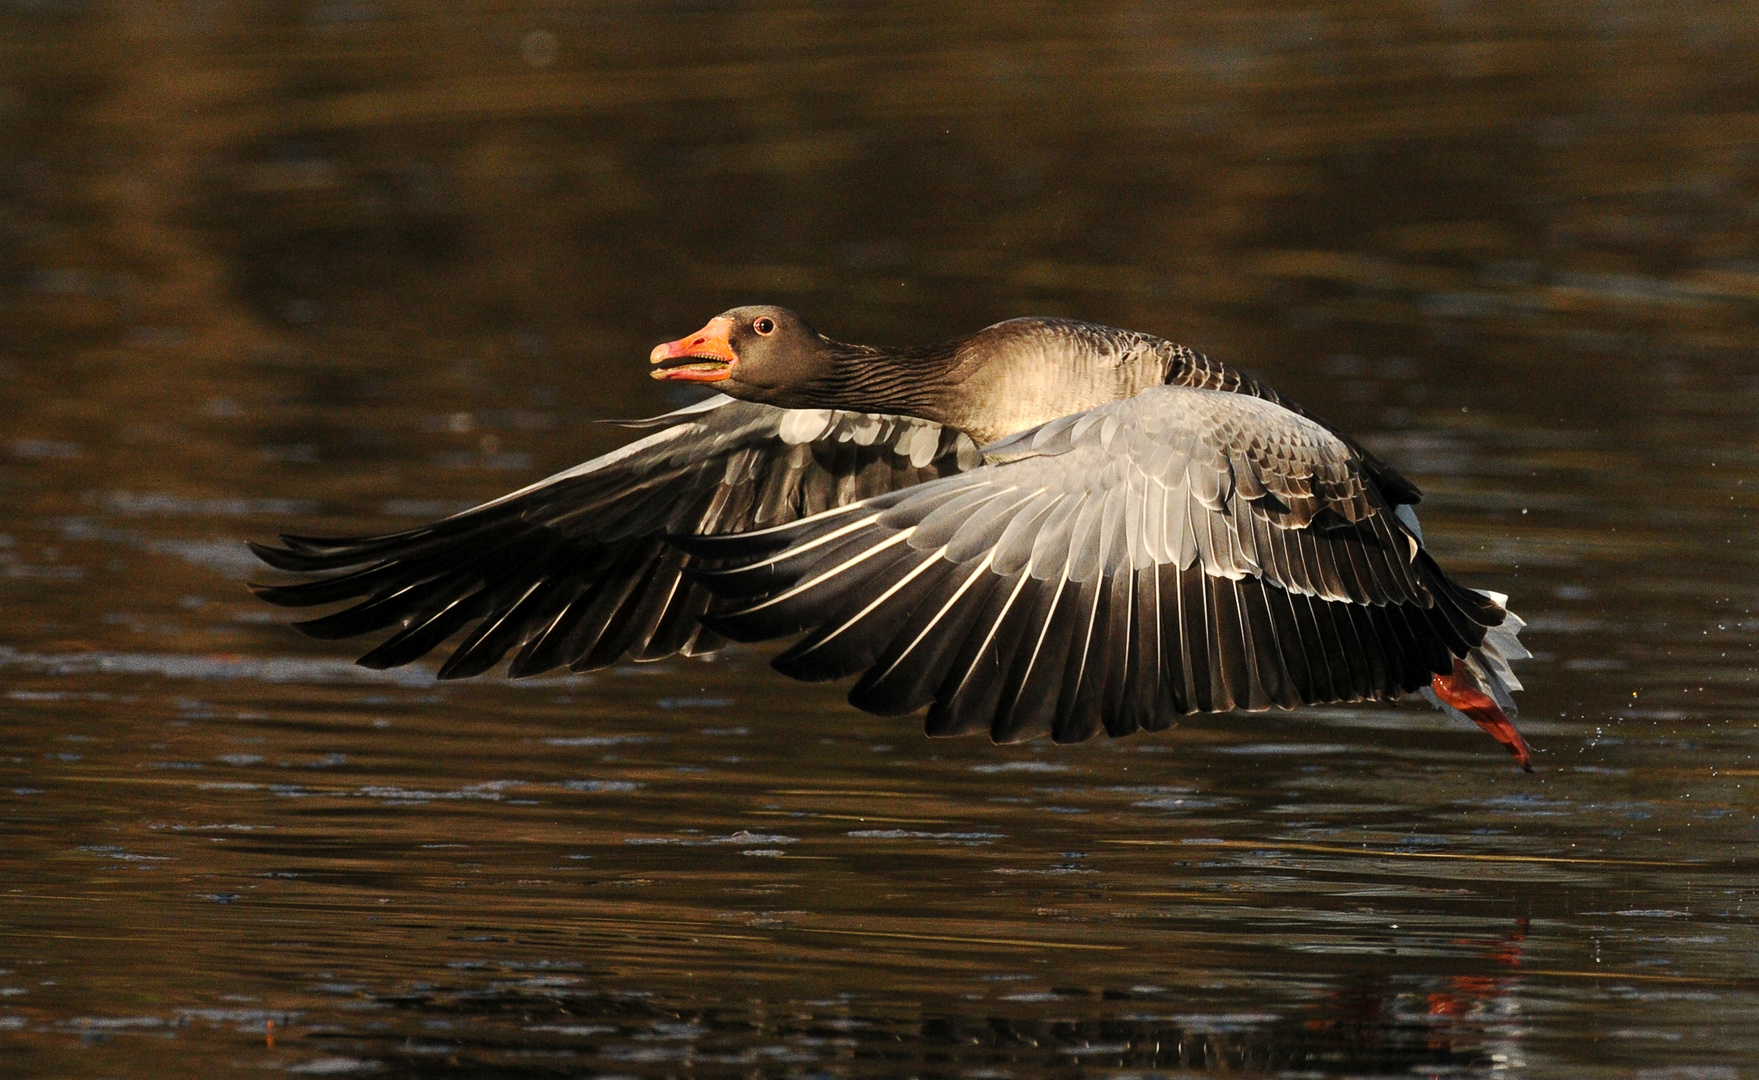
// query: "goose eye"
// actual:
[[764, 326]]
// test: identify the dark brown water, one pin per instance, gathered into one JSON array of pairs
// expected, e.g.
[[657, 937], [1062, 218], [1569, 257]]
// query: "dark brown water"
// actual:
[[344, 266]]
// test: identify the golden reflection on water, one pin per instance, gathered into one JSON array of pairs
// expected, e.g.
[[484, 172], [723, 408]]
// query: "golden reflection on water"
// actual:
[[349, 266]]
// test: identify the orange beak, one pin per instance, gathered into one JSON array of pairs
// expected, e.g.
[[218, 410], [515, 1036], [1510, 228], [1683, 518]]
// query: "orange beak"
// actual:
[[705, 356]]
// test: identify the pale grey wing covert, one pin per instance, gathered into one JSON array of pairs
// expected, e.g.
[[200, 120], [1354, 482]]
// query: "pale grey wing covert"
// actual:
[[1184, 551], [575, 570]]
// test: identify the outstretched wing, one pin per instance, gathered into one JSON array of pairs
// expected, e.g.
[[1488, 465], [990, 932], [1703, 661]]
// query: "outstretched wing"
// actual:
[[1184, 551], [575, 569]]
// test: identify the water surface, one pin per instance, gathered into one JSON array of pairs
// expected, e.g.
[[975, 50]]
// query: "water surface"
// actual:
[[338, 267]]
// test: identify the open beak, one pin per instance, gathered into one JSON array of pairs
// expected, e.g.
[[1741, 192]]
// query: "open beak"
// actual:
[[705, 356]]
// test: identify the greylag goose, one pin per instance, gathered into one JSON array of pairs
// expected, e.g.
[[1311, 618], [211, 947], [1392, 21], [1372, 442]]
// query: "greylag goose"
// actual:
[[1046, 527]]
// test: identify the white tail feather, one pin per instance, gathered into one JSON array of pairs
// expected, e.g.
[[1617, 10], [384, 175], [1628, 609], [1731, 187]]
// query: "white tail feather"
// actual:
[[1487, 666]]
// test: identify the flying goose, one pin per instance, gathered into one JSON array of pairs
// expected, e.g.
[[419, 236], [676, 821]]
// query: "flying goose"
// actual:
[[1046, 527]]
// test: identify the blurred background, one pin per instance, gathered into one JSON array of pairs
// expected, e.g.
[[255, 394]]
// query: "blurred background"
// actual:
[[230, 225], [344, 266]]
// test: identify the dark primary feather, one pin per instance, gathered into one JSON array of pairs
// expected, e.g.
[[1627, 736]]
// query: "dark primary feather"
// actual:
[[575, 570], [1182, 551]]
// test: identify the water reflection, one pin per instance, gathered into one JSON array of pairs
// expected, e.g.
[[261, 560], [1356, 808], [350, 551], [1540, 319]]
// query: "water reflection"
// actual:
[[344, 267]]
